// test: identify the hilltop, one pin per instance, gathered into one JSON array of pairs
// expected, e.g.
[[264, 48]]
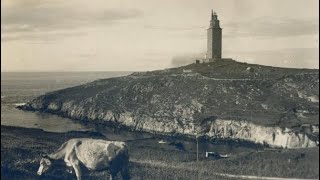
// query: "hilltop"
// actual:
[[222, 99]]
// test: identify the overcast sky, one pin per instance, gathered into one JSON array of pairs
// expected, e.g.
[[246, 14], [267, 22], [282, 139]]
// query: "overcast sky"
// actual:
[[139, 35]]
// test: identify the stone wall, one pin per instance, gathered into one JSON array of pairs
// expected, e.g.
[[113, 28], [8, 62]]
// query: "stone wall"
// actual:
[[214, 46]]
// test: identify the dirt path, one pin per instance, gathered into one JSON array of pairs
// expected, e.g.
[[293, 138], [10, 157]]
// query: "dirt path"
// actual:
[[165, 165]]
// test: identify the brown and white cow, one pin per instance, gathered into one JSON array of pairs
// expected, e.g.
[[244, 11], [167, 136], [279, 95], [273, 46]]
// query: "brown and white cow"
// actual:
[[94, 154]]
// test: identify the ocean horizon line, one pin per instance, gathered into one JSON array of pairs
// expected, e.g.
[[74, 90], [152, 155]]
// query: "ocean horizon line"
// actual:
[[64, 71]]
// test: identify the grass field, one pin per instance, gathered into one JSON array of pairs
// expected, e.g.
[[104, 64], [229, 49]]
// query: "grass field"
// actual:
[[20, 149]]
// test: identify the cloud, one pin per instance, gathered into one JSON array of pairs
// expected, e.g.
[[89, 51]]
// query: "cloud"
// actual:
[[263, 27], [175, 28], [87, 55], [289, 57], [35, 19], [271, 27], [184, 59], [49, 36]]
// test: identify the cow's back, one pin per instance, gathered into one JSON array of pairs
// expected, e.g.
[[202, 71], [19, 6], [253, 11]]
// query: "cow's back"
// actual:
[[99, 154]]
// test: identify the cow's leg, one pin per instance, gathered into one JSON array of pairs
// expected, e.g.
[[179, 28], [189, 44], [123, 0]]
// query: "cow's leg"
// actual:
[[76, 167], [68, 155], [125, 173], [112, 176], [67, 158], [67, 161], [69, 169]]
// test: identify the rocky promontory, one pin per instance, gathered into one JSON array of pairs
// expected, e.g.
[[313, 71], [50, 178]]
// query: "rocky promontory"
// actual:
[[224, 99]]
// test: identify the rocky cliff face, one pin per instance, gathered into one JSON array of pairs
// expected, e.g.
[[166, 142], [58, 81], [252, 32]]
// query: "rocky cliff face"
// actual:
[[274, 106]]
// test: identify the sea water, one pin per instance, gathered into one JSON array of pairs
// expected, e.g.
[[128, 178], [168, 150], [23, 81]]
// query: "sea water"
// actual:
[[19, 87]]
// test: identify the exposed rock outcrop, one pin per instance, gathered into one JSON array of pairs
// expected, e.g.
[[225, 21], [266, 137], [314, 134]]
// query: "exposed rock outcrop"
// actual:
[[269, 105]]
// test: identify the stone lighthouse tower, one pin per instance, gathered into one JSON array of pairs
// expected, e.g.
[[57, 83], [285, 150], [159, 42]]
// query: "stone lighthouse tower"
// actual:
[[214, 36]]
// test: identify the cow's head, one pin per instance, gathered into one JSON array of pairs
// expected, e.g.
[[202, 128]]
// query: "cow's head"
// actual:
[[45, 164]]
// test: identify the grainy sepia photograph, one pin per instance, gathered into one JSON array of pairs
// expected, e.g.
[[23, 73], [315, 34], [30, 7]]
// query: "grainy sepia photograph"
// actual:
[[159, 89]]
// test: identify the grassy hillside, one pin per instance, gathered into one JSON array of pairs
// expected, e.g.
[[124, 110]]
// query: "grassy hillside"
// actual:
[[150, 160], [196, 93], [236, 70]]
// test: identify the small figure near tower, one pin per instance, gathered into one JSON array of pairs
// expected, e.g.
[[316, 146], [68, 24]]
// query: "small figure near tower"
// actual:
[[214, 41]]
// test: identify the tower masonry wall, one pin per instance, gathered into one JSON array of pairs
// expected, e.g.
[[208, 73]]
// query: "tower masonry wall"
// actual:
[[214, 38], [214, 47]]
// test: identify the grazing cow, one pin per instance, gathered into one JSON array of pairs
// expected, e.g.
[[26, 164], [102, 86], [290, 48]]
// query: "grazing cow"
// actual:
[[93, 154]]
